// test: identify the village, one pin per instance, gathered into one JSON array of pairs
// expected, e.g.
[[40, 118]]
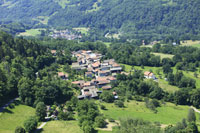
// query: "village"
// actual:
[[66, 34], [101, 74]]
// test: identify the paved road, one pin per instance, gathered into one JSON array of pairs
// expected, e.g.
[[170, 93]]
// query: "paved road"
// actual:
[[195, 109], [6, 105]]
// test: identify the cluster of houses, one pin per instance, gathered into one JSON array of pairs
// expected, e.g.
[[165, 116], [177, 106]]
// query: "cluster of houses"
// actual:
[[66, 34], [100, 73]]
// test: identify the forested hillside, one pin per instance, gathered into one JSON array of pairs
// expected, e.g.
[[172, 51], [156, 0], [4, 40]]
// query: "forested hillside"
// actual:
[[130, 18]]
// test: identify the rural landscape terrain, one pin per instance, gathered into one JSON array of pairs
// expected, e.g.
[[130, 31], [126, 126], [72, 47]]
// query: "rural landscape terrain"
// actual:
[[99, 66]]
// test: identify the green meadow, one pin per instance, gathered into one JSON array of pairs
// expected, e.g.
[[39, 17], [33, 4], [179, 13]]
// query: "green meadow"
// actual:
[[167, 114], [11, 118]]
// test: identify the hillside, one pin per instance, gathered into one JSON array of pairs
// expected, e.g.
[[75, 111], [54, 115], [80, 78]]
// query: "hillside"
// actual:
[[130, 18]]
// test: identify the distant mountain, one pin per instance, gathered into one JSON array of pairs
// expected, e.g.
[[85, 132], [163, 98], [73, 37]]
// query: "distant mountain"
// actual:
[[132, 18]]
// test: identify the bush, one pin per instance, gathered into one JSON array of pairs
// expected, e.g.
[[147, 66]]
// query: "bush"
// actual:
[[30, 124], [111, 120], [119, 103], [65, 116], [11, 106], [100, 122], [138, 98], [20, 129], [103, 107]]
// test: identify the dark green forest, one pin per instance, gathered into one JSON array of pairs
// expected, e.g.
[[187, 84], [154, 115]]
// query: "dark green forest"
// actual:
[[147, 19]]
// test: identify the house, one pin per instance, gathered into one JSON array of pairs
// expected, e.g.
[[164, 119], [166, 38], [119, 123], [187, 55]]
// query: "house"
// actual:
[[149, 75], [116, 70], [88, 74], [96, 65], [53, 52], [103, 73], [112, 79], [107, 87], [79, 83], [62, 75], [102, 83], [76, 66]]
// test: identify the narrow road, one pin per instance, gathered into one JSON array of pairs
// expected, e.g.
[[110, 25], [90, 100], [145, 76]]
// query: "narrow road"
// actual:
[[6, 105], [195, 109], [42, 125]]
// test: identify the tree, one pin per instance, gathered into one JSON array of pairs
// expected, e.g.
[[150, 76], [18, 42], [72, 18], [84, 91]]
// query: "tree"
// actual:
[[192, 128], [167, 68], [100, 122], [30, 124], [65, 116], [107, 96], [191, 115], [20, 129], [119, 103], [41, 111]]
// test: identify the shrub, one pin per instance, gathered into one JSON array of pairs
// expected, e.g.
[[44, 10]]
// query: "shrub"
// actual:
[[119, 103], [111, 120], [30, 124], [20, 129], [103, 107], [100, 122]]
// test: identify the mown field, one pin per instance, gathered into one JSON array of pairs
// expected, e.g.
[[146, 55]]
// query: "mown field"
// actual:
[[11, 118], [167, 114], [191, 43], [164, 55], [31, 32]]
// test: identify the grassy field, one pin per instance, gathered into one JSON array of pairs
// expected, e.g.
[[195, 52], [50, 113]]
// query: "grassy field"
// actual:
[[167, 114], [191, 43], [83, 30], [64, 127], [162, 83], [164, 55], [62, 3], [12, 118], [31, 32]]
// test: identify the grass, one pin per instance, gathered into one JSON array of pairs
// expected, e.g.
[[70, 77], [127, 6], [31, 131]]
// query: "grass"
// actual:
[[83, 30], [62, 3], [42, 19], [190, 43], [167, 114], [62, 127], [11, 118], [31, 32], [164, 55], [162, 83], [107, 44]]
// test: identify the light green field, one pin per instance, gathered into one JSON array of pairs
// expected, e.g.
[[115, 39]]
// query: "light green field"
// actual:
[[62, 127], [191, 43], [12, 118], [95, 7], [164, 55], [191, 75], [31, 32], [107, 44], [42, 19], [62, 3], [162, 83], [167, 114], [83, 30]]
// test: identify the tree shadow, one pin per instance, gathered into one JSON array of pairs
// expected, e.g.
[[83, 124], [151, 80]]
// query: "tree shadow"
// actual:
[[39, 130], [7, 111]]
